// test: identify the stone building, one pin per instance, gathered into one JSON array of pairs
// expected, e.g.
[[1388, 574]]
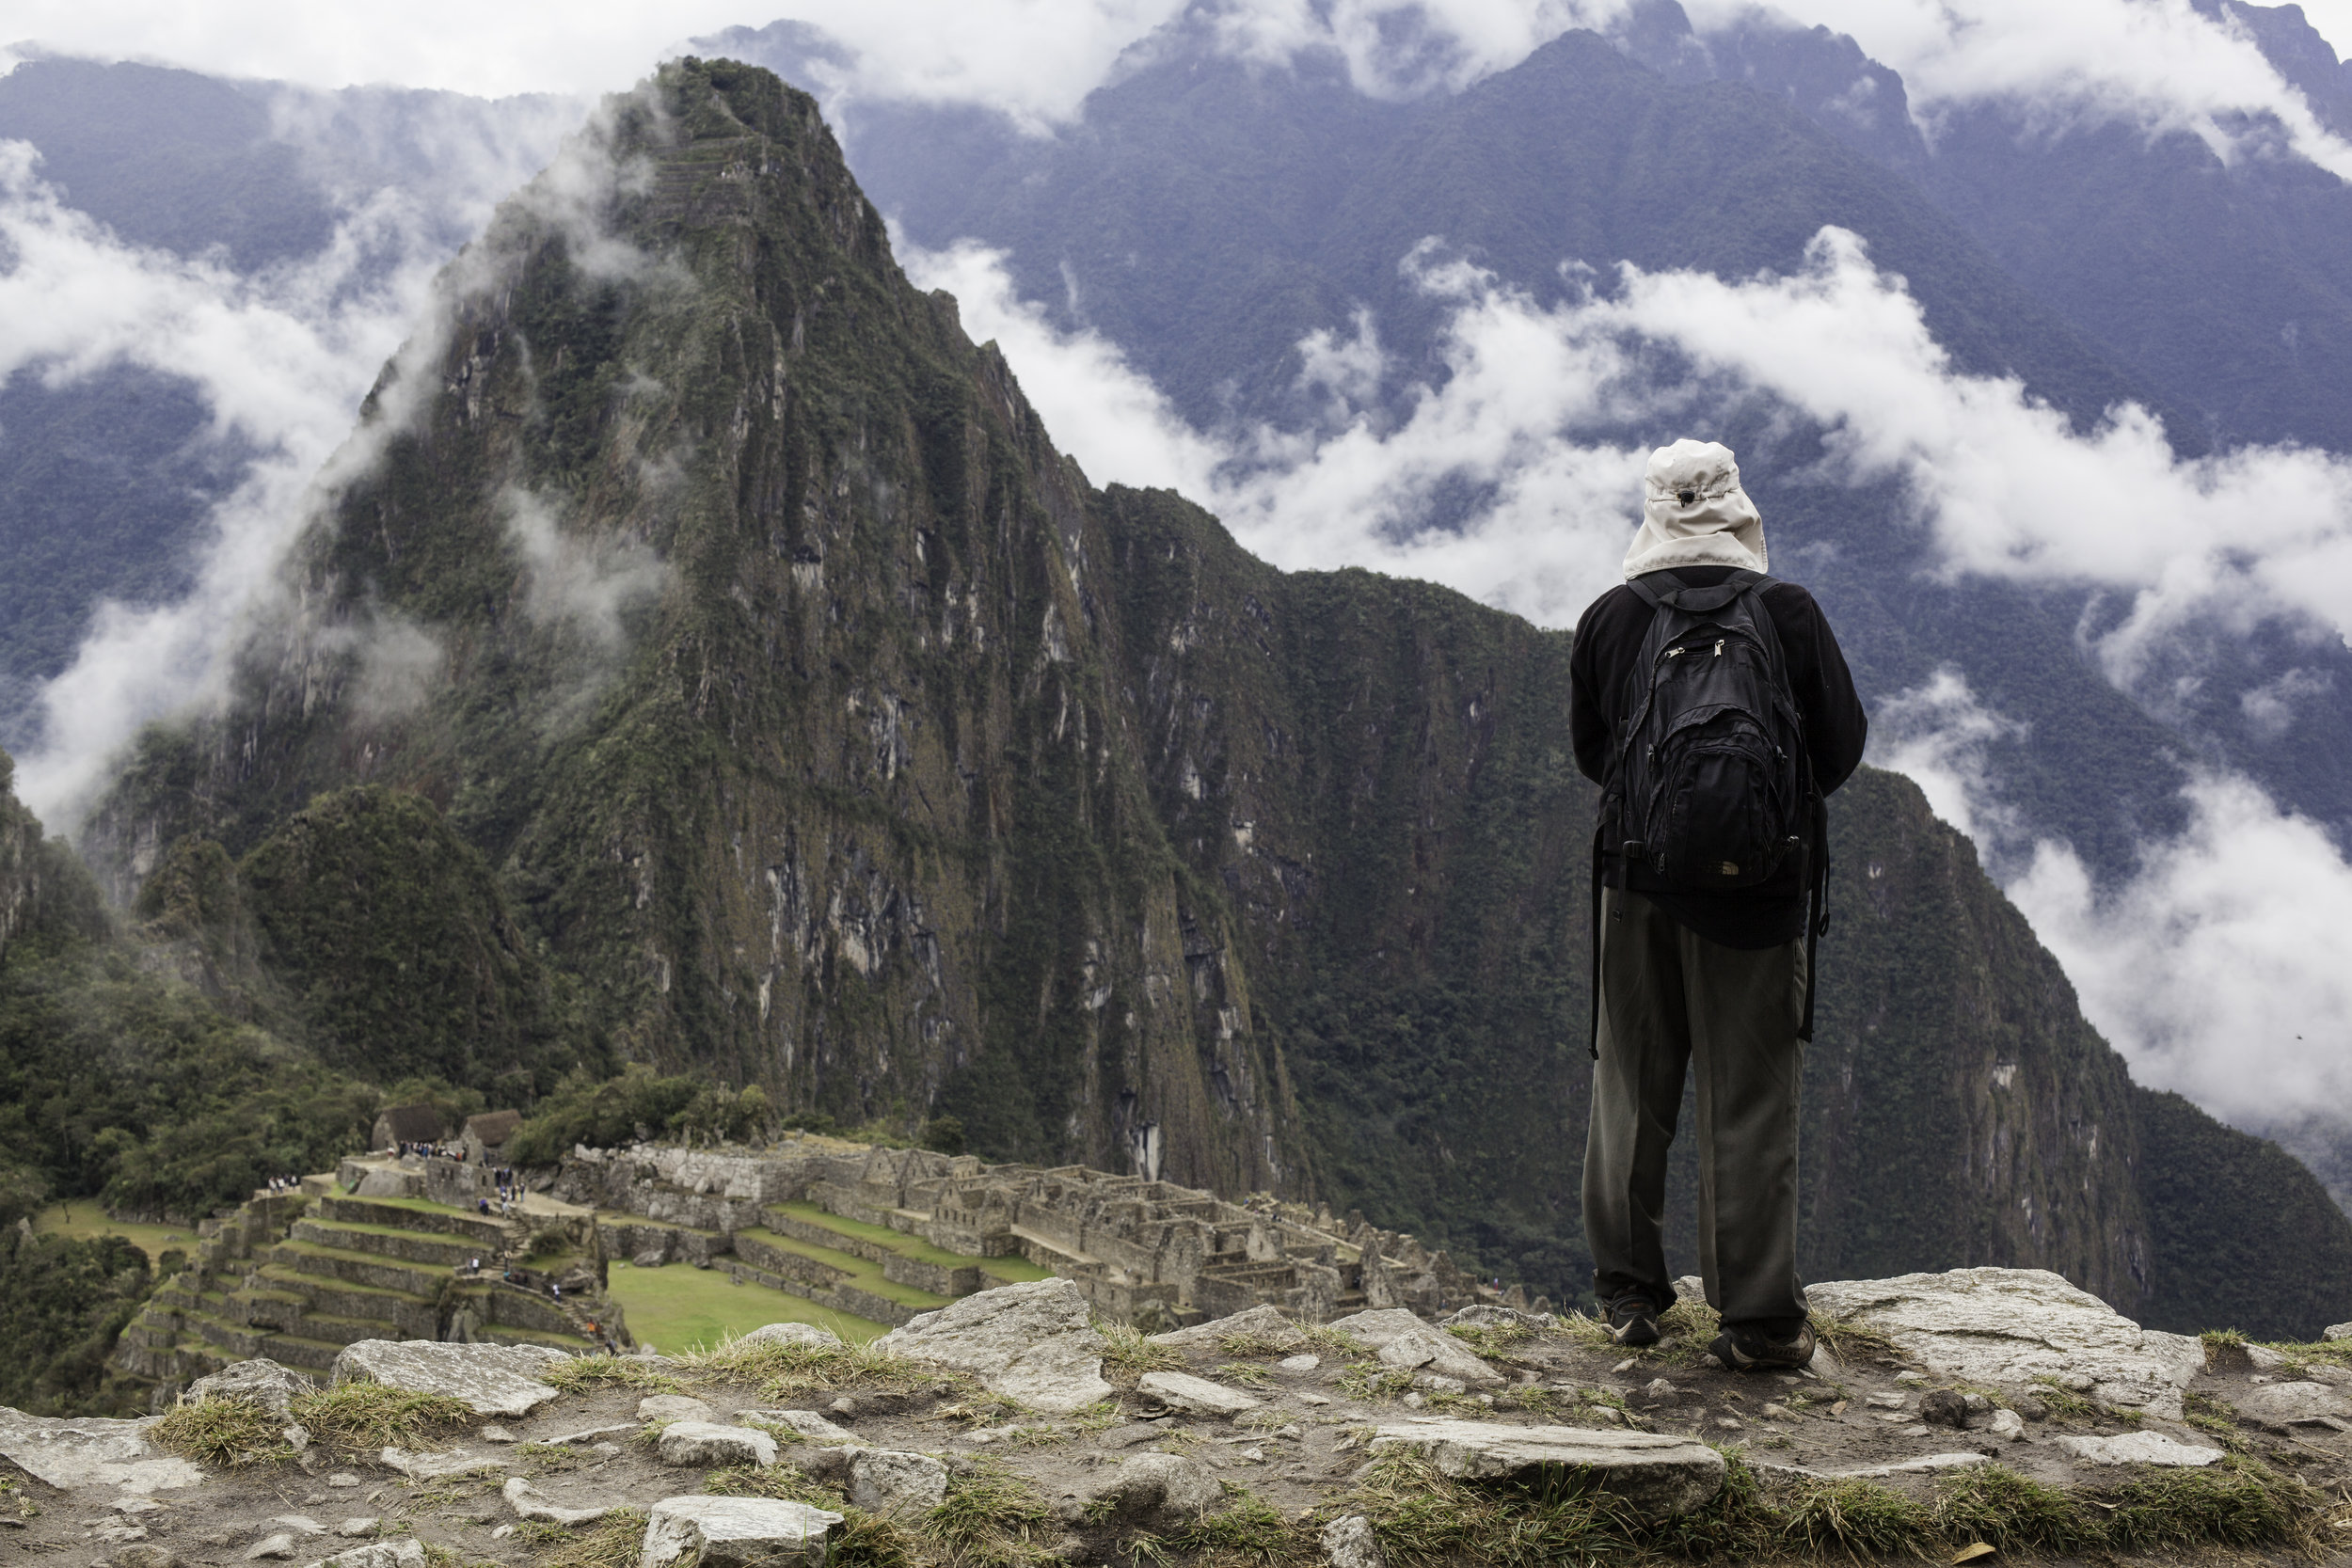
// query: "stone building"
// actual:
[[406, 1124], [485, 1136]]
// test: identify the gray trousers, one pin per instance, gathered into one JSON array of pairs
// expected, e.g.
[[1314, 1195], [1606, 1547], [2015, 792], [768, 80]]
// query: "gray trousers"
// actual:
[[1671, 1001]]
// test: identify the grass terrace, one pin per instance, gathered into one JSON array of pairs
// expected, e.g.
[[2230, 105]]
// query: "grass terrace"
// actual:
[[680, 1307]]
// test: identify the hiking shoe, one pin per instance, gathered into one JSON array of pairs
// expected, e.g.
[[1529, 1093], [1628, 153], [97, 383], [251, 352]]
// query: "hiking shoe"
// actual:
[[1745, 1348], [1633, 1319]]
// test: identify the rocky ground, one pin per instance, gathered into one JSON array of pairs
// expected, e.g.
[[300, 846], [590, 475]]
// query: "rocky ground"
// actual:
[[1984, 1411]]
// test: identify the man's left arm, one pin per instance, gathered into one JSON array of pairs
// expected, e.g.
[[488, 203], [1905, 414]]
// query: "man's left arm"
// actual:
[[1836, 728]]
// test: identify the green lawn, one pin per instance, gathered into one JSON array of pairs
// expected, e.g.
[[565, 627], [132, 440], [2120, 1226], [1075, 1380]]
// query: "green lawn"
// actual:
[[1015, 1270], [83, 1218], [865, 1275], [680, 1306]]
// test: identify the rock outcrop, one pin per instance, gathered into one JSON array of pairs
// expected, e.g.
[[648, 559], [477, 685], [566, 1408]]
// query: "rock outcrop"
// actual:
[[2015, 1326], [1035, 1343], [1659, 1474]]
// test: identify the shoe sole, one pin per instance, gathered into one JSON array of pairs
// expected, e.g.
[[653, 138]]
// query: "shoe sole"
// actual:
[[1641, 1331], [1734, 1359]]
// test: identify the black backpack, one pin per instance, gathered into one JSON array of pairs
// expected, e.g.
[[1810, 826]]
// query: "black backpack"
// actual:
[[1710, 785]]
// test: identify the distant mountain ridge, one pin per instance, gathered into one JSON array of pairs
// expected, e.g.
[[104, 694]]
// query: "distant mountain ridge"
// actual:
[[834, 731]]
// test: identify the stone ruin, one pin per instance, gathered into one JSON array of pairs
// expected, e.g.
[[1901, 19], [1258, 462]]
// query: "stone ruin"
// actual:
[[1144, 1252]]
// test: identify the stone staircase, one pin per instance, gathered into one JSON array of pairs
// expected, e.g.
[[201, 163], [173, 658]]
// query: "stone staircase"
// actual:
[[297, 1277]]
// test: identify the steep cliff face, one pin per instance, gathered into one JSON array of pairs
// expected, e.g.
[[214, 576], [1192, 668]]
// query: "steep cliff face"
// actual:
[[834, 732], [731, 600]]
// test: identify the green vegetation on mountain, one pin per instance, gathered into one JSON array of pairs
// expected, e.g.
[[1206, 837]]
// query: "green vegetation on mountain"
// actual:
[[837, 737]]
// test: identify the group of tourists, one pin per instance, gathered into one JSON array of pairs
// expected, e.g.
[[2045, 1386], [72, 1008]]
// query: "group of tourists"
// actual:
[[280, 1185]]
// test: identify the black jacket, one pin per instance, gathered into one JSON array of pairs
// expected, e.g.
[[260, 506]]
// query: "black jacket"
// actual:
[[1602, 672]]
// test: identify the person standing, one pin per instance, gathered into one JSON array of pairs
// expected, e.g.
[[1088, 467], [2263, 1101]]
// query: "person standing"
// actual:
[[1712, 704]]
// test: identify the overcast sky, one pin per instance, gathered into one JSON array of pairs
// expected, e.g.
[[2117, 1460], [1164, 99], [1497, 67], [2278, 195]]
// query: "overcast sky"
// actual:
[[1040, 56]]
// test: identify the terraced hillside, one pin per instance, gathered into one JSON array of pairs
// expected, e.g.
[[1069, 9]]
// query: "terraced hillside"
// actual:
[[297, 1277]]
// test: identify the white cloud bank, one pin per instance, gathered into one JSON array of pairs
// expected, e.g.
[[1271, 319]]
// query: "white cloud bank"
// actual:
[[2157, 64], [280, 357], [2212, 966]]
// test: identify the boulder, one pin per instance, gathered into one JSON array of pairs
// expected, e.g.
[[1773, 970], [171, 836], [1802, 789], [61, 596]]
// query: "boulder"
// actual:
[[2011, 1326], [1657, 1474], [806, 1422], [2137, 1447], [2336, 1331], [674, 1407], [735, 1532], [1259, 1321], [529, 1502], [1153, 1492], [1405, 1343], [383, 1554], [1195, 1395], [892, 1481], [1348, 1542], [494, 1379], [790, 1334], [69, 1451], [2007, 1425], [2280, 1405], [259, 1380], [708, 1443], [1483, 1316], [1033, 1343], [387, 1181], [434, 1467]]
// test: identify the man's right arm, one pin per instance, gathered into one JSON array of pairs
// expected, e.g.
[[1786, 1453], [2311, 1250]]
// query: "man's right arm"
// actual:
[[1588, 724]]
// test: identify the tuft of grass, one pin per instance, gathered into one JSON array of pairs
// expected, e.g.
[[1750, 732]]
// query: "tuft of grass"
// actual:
[[1262, 1344], [1423, 1516], [1128, 1352], [1494, 1339], [1588, 1331], [614, 1540], [362, 1417], [1248, 1530], [864, 1541], [1374, 1384], [990, 1518], [2010, 1512], [584, 1372], [1247, 1373], [226, 1432], [1327, 1340], [547, 1459], [2222, 1339], [2215, 1417], [1855, 1517], [781, 1368], [2064, 1403], [1851, 1340]]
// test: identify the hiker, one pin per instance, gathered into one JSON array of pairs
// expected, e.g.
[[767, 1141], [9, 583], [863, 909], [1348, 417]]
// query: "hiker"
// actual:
[[1711, 865]]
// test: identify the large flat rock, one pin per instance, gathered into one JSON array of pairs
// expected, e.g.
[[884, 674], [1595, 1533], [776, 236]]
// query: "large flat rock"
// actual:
[[2009, 1326], [1261, 1321], [1195, 1395], [1659, 1474], [2286, 1405], [494, 1379], [735, 1532], [1405, 1343], [1034, 1342], [2137, 1448], [69, 1451]]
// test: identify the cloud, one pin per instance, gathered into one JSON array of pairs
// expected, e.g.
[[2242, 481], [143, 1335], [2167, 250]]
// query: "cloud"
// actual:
[[2202, 966], [578, 585], [283, 358], [1548, 514], [2162, 66]]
